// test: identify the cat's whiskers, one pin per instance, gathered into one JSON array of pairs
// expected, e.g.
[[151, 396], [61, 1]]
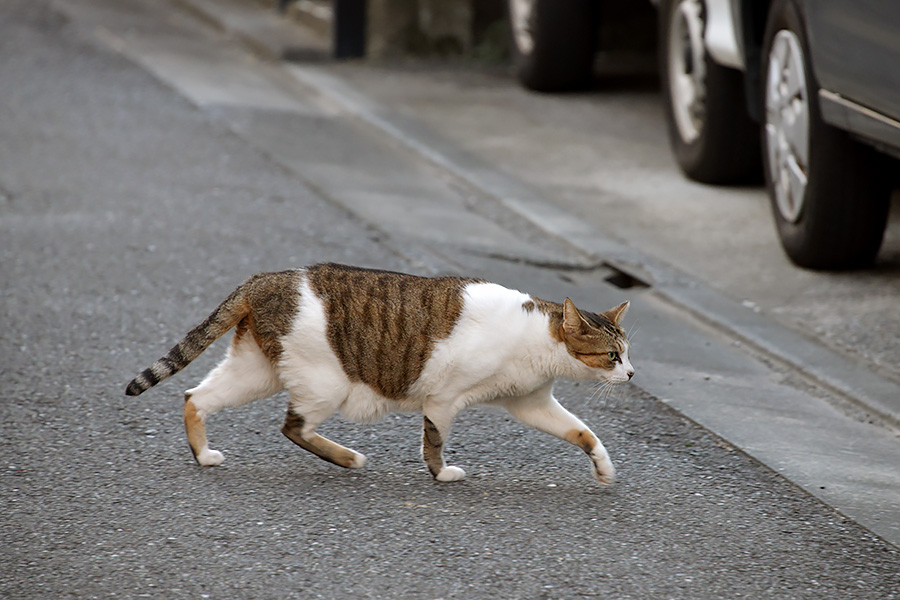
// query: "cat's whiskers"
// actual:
[[607, 394], [596, 391], [601, 392]]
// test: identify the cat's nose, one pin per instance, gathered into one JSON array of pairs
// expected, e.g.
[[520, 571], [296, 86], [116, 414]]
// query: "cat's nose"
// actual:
[[630, 373]]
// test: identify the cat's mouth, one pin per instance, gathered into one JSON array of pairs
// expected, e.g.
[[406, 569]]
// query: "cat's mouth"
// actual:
[[622, 378]]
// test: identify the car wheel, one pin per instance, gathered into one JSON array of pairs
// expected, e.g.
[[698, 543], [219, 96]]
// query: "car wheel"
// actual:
[[712, 135], [553, 42], [829, 192]]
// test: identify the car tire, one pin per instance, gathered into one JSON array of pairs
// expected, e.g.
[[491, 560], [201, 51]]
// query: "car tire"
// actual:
[[553, 43], [829, 192], [713, 138]]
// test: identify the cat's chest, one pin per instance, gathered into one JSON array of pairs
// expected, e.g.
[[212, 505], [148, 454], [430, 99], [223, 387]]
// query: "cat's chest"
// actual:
[[508, 381]]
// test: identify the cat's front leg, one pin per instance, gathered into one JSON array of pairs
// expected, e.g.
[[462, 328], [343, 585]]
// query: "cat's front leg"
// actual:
[[436, 428], [542, 411], [604, 472]]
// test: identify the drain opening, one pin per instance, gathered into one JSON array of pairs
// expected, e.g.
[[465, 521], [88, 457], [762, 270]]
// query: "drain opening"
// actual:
[[623, 280]]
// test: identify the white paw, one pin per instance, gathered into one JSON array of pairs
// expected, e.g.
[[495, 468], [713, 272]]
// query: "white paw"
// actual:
[[604, 479], [605, 474], [358, 461], [210, 458], [450, 474]]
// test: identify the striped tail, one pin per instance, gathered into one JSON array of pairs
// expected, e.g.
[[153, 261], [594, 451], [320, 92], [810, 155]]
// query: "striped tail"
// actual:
[[201, 337]]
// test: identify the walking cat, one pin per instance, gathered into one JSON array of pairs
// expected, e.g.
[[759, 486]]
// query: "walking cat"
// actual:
[[367, 342]]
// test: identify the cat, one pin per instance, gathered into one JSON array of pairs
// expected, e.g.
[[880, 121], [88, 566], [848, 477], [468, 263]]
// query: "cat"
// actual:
[[367, 342]]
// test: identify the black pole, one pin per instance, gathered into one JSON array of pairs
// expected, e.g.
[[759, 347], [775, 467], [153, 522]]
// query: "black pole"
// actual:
[[349, 28]]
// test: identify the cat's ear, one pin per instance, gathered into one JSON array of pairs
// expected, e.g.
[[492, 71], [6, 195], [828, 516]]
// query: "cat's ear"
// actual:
[[616, 314], [573, 322]]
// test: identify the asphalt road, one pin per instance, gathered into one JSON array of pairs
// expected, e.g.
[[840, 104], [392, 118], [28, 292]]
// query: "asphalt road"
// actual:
[[126, 213]]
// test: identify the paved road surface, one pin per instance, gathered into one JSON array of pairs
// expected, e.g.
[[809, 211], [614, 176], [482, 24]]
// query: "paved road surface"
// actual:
[[127, 212]]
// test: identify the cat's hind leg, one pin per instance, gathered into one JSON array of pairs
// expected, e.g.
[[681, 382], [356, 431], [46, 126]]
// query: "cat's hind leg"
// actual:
[[245, 375], [311, 404], [297, 430], [542, 411]]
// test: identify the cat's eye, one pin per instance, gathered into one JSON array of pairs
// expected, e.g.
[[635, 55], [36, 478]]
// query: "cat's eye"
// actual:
[[613, 356]]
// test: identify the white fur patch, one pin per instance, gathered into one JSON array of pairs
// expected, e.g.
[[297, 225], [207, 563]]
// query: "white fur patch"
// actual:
[[244, 375], [496, 349], [309, 369]]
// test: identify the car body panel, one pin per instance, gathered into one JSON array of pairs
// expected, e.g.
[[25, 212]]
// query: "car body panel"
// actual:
[[855, 56], [864, 122], [855, 47], [722, 35]]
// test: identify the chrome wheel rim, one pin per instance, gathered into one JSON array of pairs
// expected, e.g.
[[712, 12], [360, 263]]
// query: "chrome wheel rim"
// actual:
[[520, 12], [787, 125], [687, 69]]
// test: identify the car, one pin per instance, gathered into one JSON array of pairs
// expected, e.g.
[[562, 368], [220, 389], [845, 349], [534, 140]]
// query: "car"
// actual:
[[810, 86], [804, 94], [554, 42]]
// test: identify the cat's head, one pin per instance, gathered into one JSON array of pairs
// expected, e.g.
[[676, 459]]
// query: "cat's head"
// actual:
[[598, 342]]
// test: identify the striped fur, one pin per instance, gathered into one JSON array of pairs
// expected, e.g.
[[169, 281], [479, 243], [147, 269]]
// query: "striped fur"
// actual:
[[383, 325], [366, 342], [264, 304]]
